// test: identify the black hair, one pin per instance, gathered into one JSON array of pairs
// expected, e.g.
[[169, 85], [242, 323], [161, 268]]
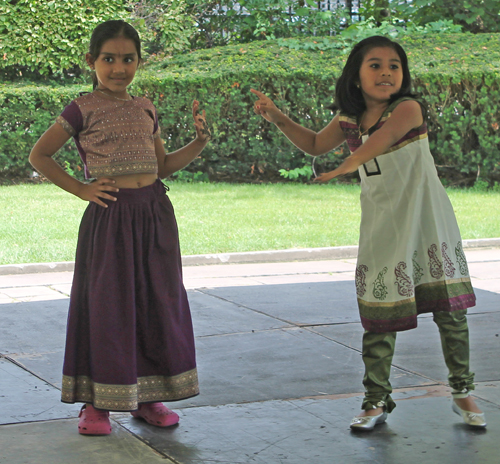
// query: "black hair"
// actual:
[[348, 96], [111, 30]]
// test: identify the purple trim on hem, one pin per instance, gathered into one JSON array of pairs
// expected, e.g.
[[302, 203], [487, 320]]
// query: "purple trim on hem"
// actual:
[[451, 304], [407, 323]]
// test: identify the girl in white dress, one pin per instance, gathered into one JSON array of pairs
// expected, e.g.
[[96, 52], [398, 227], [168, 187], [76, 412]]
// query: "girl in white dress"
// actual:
[[410, 257]]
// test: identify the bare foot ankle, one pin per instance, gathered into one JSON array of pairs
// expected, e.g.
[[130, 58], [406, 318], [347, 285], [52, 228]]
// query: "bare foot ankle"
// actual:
[[371, 412], [467, 404]]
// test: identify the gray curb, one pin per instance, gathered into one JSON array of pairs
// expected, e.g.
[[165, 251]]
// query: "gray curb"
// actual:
[[304, 254]]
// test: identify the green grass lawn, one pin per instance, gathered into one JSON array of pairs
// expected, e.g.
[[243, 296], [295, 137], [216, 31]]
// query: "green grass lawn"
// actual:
[[39, 223]]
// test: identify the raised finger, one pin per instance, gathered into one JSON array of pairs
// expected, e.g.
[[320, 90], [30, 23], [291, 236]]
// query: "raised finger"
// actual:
[[196, 104], [259, 94]]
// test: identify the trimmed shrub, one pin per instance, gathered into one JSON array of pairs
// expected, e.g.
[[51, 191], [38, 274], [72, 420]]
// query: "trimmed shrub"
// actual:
[[458, 76], [50, 36]]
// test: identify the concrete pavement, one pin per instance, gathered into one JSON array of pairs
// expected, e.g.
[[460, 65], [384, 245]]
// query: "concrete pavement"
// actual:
[[278, 348]]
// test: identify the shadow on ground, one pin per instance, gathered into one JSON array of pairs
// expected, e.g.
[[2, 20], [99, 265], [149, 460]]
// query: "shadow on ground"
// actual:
[[280, 374]]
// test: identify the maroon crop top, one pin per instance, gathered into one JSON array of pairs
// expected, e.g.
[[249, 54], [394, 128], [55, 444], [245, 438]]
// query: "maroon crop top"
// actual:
[[113, 137]]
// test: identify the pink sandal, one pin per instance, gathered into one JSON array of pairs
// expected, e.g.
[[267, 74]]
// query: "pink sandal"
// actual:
[[156, 414], [93, 421]]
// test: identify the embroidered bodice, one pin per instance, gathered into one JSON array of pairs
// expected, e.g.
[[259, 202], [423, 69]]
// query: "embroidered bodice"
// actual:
[[350, 127], [113, 137]]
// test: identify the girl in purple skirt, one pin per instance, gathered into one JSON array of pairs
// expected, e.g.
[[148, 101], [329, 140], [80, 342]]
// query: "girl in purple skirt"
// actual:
[[130, 342]]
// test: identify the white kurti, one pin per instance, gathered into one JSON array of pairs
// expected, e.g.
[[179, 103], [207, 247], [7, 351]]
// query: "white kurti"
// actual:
[[410, 257]]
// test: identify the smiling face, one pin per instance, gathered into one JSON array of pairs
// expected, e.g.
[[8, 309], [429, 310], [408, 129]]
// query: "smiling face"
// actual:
[[116, 65], [380, 74]]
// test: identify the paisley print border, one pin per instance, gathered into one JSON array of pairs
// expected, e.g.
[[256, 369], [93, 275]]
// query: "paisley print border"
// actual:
[[461, 260], [449, 269], [379, 287], [435, 265], [361, 271], [403, 281], [418, 271]]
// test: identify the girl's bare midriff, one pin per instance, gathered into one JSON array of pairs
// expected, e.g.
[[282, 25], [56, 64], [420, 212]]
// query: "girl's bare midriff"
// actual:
[[134, 180]]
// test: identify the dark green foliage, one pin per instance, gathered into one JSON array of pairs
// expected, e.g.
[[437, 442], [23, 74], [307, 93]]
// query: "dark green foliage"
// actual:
[[25, 114], [458, 76], [244, 21], [165, 26], [50, 36], [472, 15]]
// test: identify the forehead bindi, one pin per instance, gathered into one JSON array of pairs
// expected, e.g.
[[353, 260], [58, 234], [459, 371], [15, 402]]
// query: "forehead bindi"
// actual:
[[120, 46]]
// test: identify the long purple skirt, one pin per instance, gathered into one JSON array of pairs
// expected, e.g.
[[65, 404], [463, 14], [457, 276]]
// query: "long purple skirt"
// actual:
[[129, 335]]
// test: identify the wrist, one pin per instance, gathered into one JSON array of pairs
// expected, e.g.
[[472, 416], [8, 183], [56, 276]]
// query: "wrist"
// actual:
[[281, 120], [202, 142], [79, 190]]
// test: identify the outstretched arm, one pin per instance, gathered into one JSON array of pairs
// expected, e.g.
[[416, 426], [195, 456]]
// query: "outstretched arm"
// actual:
[[405, 117], [41, 159], [168, 163], [312, 143]]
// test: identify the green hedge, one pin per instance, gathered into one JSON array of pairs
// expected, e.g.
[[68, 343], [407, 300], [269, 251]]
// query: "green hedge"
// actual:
[[458, 76], [49, 36]]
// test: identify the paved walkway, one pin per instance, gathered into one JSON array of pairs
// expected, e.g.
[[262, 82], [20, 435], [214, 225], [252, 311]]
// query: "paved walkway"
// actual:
[[278, 348]]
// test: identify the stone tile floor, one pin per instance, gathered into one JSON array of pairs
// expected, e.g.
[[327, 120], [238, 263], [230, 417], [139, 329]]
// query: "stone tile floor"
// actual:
[[280, 372]]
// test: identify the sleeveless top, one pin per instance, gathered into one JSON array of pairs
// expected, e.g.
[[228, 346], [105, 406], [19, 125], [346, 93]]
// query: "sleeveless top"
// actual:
[[410, 257], [113, 138]]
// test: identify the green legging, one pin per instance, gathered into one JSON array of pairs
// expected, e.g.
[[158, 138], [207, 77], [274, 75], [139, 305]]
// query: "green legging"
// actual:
[[378, 350]]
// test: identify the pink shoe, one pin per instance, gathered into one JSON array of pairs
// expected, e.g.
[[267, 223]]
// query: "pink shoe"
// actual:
[[156, 414], [93, 421]]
